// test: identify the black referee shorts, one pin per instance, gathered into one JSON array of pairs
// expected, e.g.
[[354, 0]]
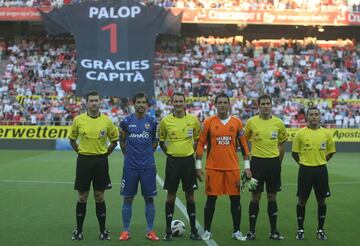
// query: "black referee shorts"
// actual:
[[266, 171], [92, 168], [313, 176], [180, 168]]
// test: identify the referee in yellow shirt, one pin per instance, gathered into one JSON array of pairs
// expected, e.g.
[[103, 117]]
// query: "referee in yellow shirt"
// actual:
[[312, 148], [178, 136], [267, 135], [93, 131]]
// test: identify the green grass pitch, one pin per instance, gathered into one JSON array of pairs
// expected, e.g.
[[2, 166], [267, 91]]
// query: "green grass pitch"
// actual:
[[37, 204]]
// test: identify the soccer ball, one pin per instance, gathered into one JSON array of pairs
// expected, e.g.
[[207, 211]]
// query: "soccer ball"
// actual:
[[177, 228]]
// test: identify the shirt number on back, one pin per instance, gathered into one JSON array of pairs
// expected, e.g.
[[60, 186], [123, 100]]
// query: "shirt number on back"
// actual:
[[113, 36]]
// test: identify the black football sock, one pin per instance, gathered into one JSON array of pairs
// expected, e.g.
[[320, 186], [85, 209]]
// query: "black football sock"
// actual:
[[321, 216], [272, 213], [101, 215], [169, 213], [209, 211], [300, 213], [80, 215], [253, 213], [190, 207], [235, 212]]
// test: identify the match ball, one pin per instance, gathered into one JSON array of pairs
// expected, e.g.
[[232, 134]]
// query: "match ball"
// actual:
[[177, 228]]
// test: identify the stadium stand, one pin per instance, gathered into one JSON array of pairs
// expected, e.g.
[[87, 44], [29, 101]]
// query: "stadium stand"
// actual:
[[37, 75], [312, 5], [37, 83]]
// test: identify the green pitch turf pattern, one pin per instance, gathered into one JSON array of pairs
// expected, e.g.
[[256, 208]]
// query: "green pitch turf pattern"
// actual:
[[37, 205]]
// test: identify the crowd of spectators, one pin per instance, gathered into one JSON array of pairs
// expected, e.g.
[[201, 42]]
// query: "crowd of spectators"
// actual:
[[310, 5], [37, 80], [245, 5]]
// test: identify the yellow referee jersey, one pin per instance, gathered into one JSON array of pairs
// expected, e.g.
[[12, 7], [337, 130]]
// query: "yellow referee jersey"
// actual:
[[313, 146], [179, 134], [93, 133], [265, 136]]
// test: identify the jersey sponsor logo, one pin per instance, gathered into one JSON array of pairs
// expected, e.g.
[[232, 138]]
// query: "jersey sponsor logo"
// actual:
[[223, 140], [114, 13], [144, 135]]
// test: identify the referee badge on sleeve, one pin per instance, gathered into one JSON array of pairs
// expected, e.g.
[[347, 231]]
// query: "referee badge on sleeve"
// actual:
[[274, 135], [323, 146], [102, 133], [190, 132]]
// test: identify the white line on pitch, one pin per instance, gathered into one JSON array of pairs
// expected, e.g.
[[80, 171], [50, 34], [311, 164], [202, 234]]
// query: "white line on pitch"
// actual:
[[182, 208]]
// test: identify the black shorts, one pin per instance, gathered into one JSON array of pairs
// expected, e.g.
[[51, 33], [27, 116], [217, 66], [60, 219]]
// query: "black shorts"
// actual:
[[268, 171], [180, 168], [309, 177], [93, 168]]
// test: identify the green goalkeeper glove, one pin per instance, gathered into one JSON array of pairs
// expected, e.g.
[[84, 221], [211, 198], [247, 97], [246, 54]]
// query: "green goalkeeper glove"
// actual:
[[249, 183]]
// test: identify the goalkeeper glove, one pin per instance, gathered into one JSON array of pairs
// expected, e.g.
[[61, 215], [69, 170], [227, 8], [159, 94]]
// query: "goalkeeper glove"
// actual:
[[249, 183]]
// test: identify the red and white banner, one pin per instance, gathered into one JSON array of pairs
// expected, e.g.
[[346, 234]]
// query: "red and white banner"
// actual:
[[271, 17], [230, 16], [20, 14]]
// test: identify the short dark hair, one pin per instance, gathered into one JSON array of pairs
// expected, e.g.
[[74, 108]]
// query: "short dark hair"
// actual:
[[92, 93], [222, 95], [177, 94], [311, 108], [264, 96], [140, 94]]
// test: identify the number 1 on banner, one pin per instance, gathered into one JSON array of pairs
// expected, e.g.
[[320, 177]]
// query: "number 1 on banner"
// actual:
[[113, 36]]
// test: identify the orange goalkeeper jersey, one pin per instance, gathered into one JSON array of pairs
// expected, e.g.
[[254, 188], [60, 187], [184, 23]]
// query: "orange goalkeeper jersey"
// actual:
[[221, 143]]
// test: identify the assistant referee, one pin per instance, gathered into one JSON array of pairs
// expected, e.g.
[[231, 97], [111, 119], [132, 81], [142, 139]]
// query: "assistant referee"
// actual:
[[93, 131], [267, 135], [312, 148], [178, 136]]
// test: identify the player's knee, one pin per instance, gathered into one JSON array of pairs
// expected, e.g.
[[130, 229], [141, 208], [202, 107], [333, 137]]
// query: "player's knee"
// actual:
[[210, 201], [302, 202], [99, 196], [83, 196], [321, 201], [171, 197], [190, 198], [234, 199], [128, 199], [149, 200], [255, 198], [271, 197]]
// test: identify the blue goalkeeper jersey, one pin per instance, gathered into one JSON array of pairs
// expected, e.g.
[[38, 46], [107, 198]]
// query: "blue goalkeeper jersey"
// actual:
[[140, 136]]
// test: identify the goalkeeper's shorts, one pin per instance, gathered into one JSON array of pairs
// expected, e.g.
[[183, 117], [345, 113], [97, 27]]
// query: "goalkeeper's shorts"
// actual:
[[220, 182]]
